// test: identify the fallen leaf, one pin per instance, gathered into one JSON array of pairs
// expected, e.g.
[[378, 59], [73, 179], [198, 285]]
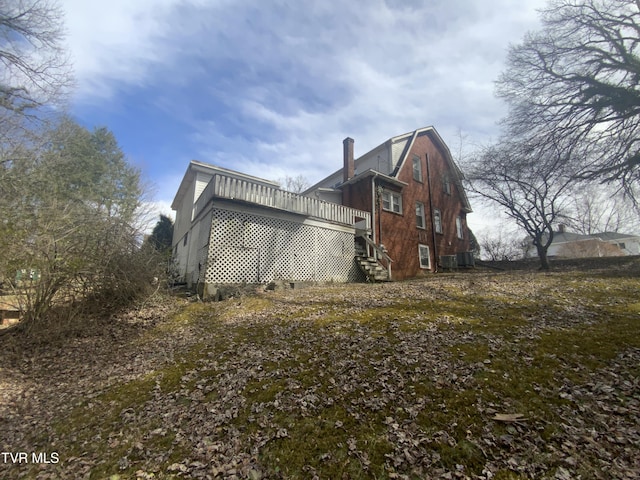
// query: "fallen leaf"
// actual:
[[509, 417]]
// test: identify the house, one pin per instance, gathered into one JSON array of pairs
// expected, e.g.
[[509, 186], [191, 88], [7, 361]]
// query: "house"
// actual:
[[606, 244], [235, 228], [397, 211], [413, 190]]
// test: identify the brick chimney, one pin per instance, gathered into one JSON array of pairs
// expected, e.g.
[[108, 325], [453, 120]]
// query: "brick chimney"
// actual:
[[348, 169]]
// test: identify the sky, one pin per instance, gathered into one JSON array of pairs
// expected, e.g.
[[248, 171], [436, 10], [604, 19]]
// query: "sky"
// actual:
[[272, 87]]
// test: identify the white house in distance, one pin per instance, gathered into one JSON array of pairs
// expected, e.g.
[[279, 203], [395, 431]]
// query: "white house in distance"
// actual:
[[606, 244]]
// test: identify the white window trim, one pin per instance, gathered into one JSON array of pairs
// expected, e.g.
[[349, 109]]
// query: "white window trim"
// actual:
[[459, 228], [446, 185], [394, 199], [437, 226], [422, 216], [418, 162], [420, 247]]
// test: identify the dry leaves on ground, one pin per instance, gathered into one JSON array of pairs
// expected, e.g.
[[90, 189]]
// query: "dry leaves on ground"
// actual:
[[457, 376]]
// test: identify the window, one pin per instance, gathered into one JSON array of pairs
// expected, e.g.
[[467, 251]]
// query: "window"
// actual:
[[417, 168], [437, 221], [425, 258], [459, 229], [622, 246], [184, 242], [420, 222], [446, 185], [392, 201]]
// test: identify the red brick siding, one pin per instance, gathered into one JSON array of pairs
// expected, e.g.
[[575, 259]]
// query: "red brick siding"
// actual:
[[358, 195], [400, 234]]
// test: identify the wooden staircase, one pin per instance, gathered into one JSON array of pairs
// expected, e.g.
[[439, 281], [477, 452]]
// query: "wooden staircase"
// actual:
[[373, 271]]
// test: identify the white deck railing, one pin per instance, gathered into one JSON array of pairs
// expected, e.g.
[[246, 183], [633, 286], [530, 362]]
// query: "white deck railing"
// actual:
[[223, 186]]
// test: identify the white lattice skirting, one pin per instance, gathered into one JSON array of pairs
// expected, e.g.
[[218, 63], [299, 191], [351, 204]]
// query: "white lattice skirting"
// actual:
[[245, 247]]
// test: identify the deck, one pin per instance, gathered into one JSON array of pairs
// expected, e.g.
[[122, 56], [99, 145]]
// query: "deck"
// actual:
[[230, 188]]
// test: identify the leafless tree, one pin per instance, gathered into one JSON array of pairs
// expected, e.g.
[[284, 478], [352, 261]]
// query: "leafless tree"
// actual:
[[576, 82], [596, 209], [530, 185], [500, 244], [297, 184], [35, 68]]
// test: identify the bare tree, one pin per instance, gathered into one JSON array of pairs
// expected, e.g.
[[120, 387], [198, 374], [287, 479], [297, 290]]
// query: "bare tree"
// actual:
[[297, 184], [532, 188], [500, 244], [36, 70], [577, 82], [596, 209]]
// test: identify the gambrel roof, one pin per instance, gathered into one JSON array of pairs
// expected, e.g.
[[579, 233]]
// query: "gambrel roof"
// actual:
[[387, 160]]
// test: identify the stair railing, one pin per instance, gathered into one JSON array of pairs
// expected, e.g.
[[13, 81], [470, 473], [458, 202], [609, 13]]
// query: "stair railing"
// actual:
[[379, 252]]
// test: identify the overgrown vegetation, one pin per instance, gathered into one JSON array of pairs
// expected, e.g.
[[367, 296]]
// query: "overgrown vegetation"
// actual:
[[71, 229], [70, 202], [461, 376]]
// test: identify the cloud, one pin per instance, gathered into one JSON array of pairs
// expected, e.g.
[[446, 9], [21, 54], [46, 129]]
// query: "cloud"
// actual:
[[384, 72], [113, 44], [272, 88]]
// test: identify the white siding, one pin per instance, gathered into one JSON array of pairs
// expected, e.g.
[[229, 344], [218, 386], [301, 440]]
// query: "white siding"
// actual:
[[181, 228], [183, 216], [329, 196], [186, 256], [396, 151], [180, 253], [377, 160], [329, 182], [202, 179], [632, 246], [192, 258]]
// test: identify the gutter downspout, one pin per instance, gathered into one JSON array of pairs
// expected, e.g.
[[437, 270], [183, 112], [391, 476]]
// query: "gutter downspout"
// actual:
[[433, 230], [373, 212]]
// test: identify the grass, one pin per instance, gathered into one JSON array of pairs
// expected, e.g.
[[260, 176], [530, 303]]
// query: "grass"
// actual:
[[371, 384]]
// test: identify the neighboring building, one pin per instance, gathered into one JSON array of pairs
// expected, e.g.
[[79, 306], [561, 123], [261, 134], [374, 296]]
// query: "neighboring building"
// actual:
[[413, 190], [405, 194], [607, 244]]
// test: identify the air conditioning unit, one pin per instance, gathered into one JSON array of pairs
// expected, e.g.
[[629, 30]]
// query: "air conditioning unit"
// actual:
[[448, 261], [471, 260], [465, 259]]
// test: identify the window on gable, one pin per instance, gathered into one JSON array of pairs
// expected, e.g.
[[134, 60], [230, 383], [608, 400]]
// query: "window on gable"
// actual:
[[420, 222], [446, 185], [392, 201], [425, 258], [417, 168], [459, 228], [437, 221]]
